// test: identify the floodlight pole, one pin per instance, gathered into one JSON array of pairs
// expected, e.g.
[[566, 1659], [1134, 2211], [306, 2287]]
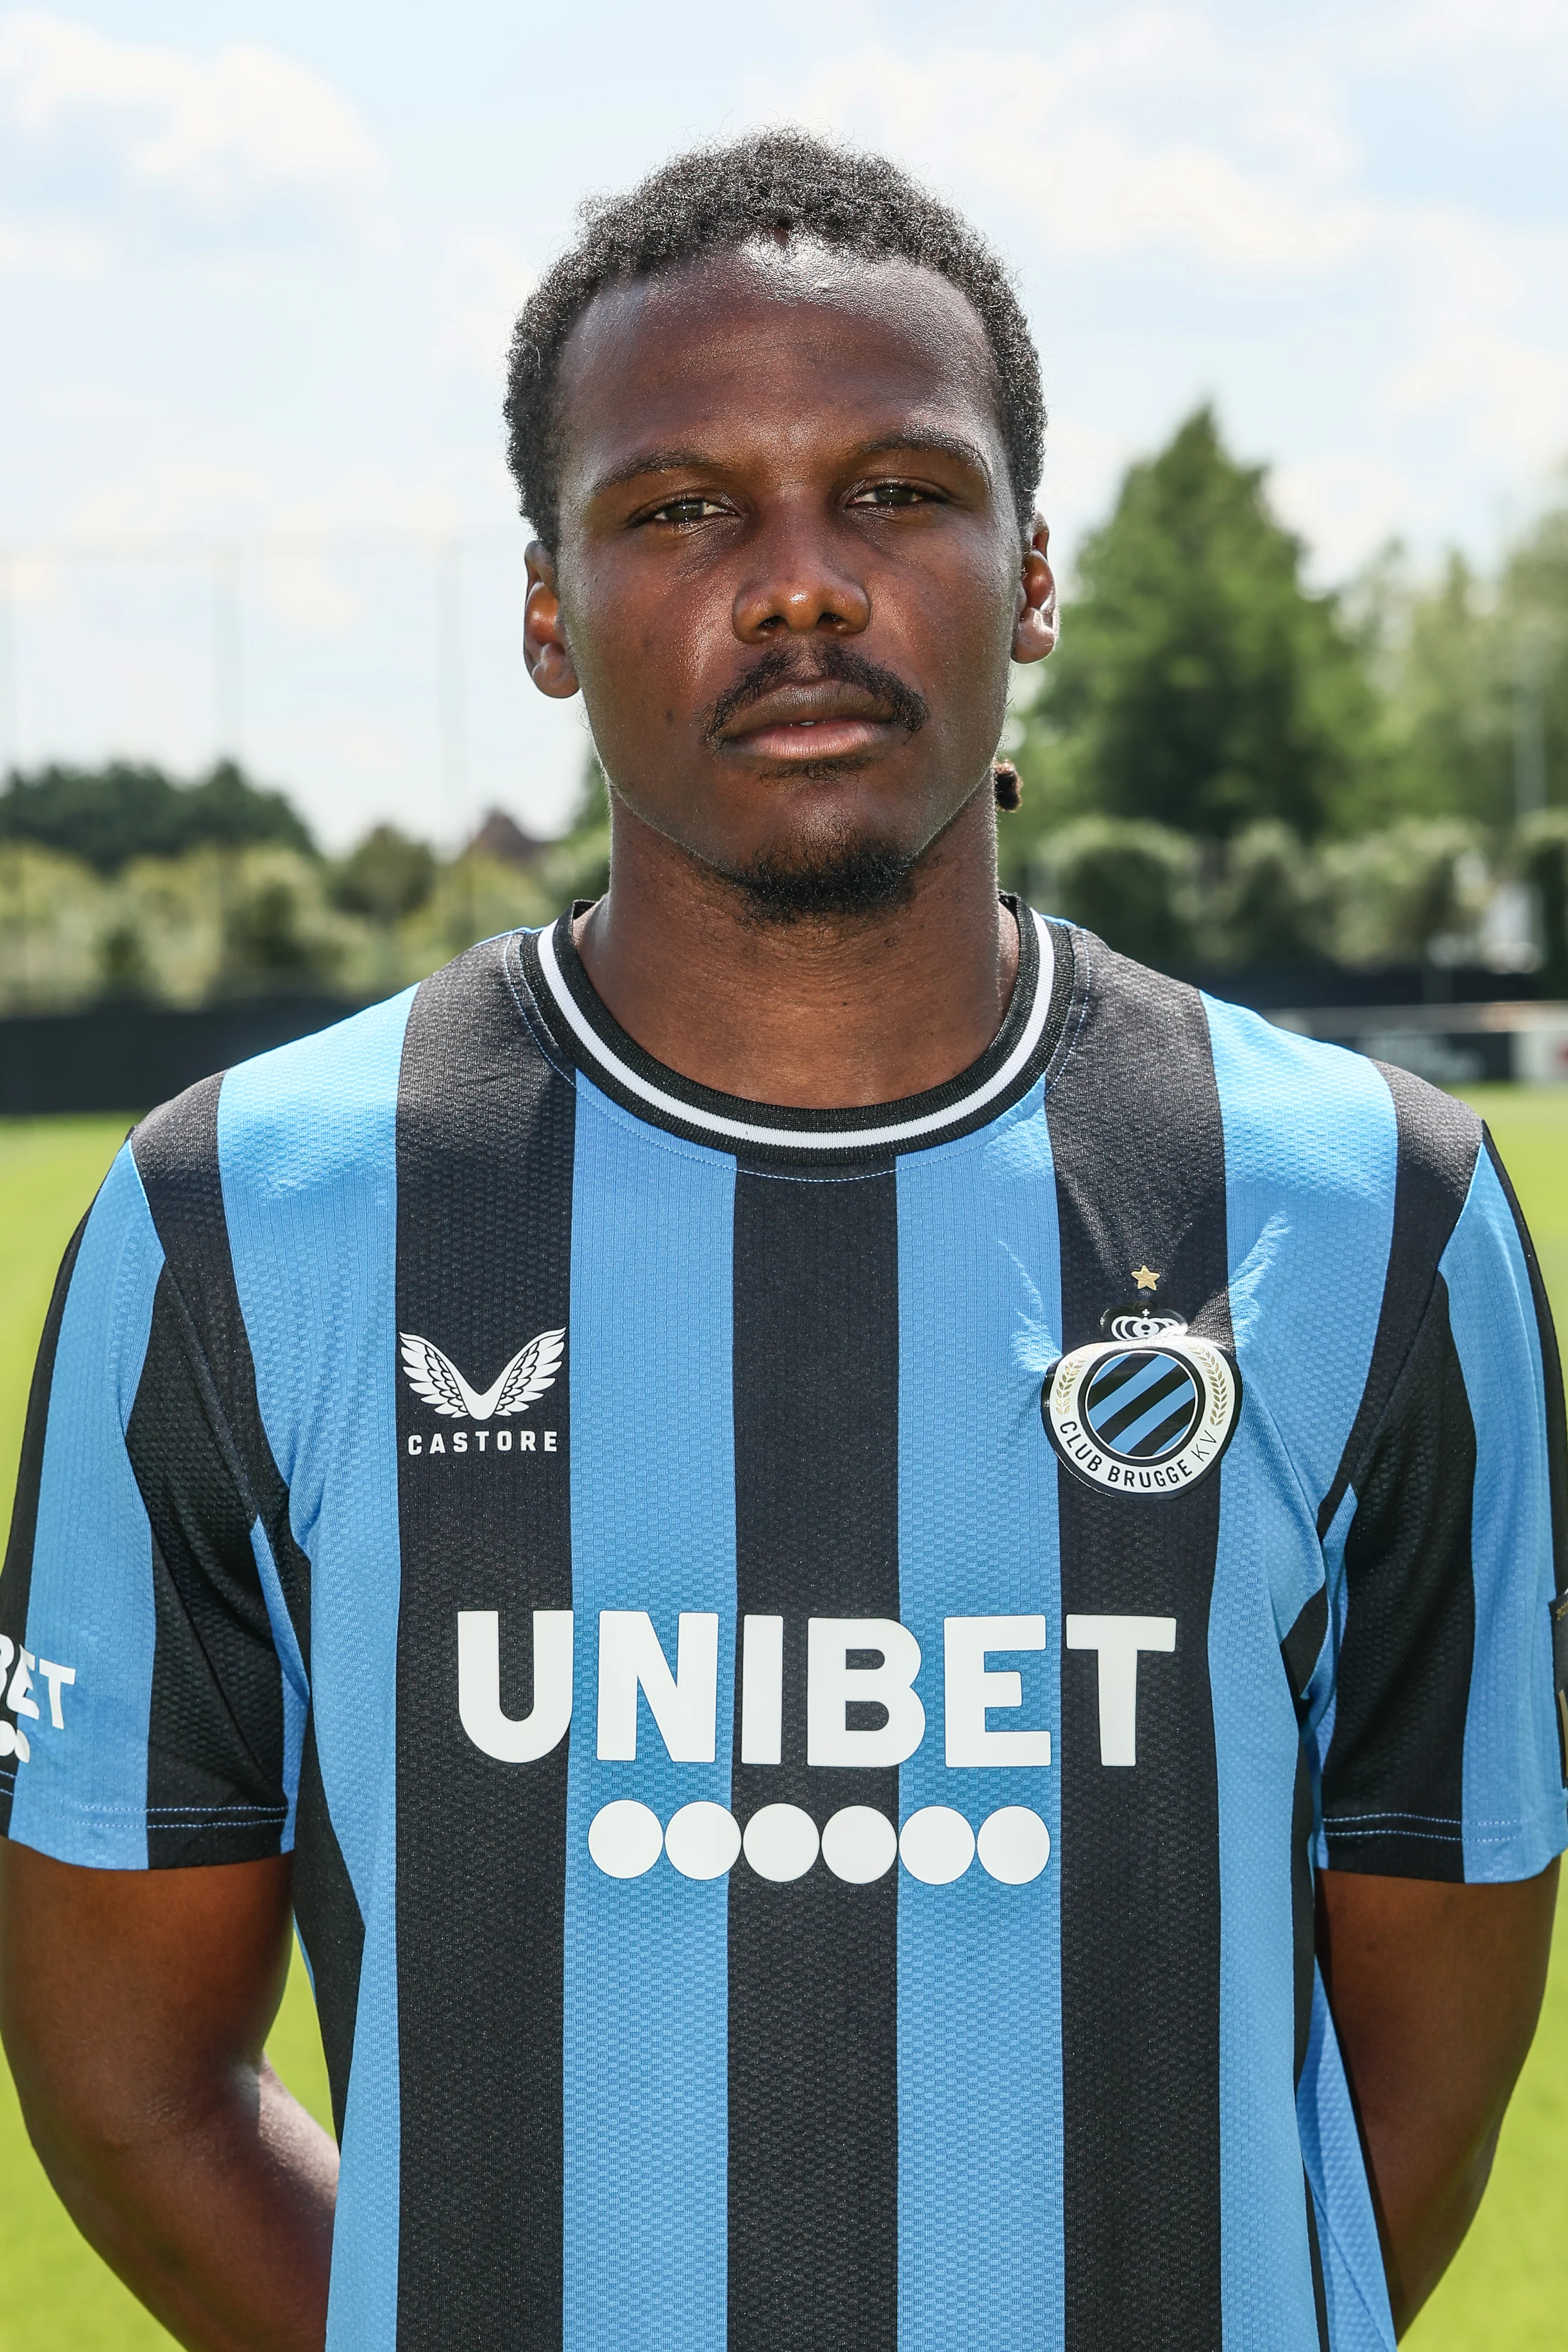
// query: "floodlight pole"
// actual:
[[227, 653], [1528, 740], [9, 747], [449, 633]]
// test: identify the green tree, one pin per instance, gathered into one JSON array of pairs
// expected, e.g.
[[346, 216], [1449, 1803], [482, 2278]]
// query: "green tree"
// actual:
[[1439, 656], [1533, 624], [578, 864], [106, 816], [1135, 884], [1474, 672], [386, 877], [1199, 685]]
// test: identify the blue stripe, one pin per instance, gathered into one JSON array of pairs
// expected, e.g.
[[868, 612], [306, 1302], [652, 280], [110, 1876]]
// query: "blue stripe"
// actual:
[[1310, 1162], [83, 1794], [979, 1999], [308, 1151], [652, 1526], [1355, 2289], [1514, 1801], [307, 1147], [361, 2309]]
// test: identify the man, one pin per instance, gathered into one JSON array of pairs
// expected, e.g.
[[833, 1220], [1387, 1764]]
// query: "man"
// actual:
[[800, 1519]]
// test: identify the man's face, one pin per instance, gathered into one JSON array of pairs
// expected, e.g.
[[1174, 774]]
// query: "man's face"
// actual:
[[789, 577]]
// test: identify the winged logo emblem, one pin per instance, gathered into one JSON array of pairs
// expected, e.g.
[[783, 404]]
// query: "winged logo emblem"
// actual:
[[435, 1377]]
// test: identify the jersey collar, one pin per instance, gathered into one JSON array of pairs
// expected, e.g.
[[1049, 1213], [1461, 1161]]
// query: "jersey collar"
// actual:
[[585, 1029]]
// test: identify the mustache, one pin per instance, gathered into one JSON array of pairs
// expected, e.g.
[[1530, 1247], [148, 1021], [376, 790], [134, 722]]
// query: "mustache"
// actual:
[[781, 666]]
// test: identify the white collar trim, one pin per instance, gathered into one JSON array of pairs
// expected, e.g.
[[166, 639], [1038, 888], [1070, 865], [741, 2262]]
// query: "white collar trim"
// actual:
[[815, 1140]]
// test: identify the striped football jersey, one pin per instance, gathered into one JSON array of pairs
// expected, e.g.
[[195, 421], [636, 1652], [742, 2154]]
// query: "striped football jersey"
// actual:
[[807, 1660]]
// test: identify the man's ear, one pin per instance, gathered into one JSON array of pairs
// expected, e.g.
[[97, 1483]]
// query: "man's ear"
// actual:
[[1035, 624], [544, 648]]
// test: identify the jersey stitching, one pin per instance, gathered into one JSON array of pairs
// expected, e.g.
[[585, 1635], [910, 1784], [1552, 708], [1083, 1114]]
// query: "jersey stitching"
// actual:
[[1501, 1831], [1076, 940], [162, 1812], [1421, 1837], [1394, 1814], [529, 1012], [1326, 2223]]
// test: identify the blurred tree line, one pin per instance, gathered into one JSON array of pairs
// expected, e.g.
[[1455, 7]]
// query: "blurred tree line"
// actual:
[[1222, 766], [121, 882]]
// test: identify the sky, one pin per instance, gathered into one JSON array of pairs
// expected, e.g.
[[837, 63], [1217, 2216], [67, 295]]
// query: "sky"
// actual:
[[259, 265]]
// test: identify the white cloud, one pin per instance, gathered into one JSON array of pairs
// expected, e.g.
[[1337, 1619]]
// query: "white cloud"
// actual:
[[1490, 42], [1148, 134], [167, 497], [49, 249], [222, 137], [485, 283], [1345, 506]]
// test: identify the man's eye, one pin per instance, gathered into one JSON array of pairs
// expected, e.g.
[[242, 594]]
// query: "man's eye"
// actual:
[[891, 494], [692, 510]]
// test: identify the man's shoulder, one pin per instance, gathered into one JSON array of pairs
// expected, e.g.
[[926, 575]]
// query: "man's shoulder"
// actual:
[[323, 1114], [302, 1115], [1296, 1112]]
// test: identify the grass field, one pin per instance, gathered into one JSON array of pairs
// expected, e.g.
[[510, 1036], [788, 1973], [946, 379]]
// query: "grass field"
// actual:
[[1509, 2283]]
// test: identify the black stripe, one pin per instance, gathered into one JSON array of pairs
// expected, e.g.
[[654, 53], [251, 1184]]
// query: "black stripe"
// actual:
[[1135, 1133], [1438, 1139], [330, 1926], [1300, 1651], [1303, 1646], [177, 1158], [483, 1232], [196, 1444], [1316, 2252], [214, 1725], [1556, 1451], [1393, 1789], [16, 1579], [813, 2088], [176, 1151]]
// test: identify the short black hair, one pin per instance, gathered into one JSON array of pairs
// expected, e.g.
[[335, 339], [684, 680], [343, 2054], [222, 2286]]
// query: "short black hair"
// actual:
[[783, 184]]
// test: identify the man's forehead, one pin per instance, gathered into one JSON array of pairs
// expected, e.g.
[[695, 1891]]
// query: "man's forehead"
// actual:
[[846, 332]]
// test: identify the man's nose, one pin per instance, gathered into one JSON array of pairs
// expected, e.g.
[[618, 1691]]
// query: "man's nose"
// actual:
[[797, 583]]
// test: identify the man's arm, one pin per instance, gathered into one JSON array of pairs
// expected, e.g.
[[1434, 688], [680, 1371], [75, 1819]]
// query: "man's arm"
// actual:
[[134, 2005], [1435, 1992]]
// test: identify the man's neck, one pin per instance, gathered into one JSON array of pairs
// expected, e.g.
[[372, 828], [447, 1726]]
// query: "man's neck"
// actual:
[[820, 1015]]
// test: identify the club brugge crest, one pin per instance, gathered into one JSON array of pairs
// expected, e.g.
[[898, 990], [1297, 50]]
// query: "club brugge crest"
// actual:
[[1147, 1411]]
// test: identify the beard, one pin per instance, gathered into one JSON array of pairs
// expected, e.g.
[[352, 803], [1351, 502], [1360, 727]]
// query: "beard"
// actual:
[[828, 879]]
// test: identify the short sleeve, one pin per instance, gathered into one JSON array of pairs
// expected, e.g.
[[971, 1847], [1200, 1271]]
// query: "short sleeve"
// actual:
[[1443, 1745], [144, 1716]]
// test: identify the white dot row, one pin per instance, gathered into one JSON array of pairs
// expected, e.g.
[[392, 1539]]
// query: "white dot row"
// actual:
[[780, 1842]]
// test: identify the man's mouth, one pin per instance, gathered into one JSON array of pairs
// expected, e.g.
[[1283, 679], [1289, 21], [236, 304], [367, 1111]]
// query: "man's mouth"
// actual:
[[819, 721], [844, 708]]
